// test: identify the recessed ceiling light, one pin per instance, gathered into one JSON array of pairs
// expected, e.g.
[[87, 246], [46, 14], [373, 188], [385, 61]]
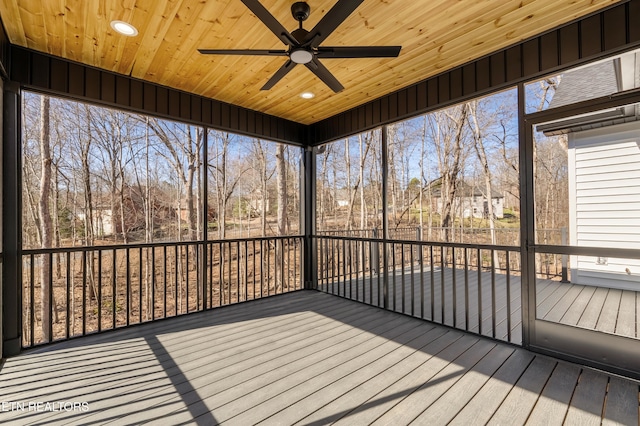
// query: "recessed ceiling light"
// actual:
[[307, 95], [124, 28]]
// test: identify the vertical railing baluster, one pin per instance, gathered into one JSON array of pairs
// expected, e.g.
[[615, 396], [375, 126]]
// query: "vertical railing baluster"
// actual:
[[128, 284], [432, 277], [282, 265], [50, 296], [355, 260], [286, 265], [338, 263], [292, 242], [196, 249], [84, 292], [140, 286], [393, 272], [164, 281], [454, 285], [320, 266], [479, 262], [493, 294], [32, 290], [254, 268], [268, 267], [176, 259], [508, 297], [114, 290], [466, 289], [369, 244], [413, 292], [363, 270], [402, 277], [333, 269], [349, 253], [380, 266], [186, 275], [421, 260], [221, 286], [238, 282], [210, 274], [261, 268], [328, 289], [246, 270], [69, 300], [443, 263], [153, 283], [99, 290], [229, 279]]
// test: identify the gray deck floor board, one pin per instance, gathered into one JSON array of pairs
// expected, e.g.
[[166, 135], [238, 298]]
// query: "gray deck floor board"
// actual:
[[588, 400], [487, 400], [522, 398], [481, 299], [553, 404], [307, 358]]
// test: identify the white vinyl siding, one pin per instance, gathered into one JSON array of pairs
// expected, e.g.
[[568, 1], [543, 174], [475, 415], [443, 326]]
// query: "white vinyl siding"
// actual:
[[604, 185]]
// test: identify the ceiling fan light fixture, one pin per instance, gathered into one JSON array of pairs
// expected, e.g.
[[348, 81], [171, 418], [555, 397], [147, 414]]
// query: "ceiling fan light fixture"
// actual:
[[124, 28], [307, 95], [301, 56], [303, 46]]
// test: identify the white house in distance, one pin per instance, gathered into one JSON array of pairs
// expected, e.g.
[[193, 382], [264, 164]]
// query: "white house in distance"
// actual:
[[604, 171], [103, 221], [470, 201]]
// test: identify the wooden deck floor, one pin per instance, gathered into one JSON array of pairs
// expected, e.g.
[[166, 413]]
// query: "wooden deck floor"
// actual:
[[308, 358], [431, 296]]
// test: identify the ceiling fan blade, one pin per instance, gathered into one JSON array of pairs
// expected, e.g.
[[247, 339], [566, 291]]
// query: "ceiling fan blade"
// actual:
[[284, 70], [329, 22], [358, 52], [325, 75], [252, 52], [272, 23]]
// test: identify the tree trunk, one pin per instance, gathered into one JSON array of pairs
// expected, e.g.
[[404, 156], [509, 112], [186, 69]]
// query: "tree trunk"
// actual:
[[363, 206], [282, 207], [450, 168], [45, 217]]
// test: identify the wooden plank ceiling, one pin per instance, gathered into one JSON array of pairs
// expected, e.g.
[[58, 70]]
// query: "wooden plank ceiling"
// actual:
[[435, 35]]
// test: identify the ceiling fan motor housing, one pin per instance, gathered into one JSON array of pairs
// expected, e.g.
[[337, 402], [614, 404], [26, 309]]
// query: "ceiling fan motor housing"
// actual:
[[300, 11], [303, 47]]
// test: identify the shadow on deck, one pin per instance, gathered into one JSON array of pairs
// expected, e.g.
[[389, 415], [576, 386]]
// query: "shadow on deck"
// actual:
[[454, 299], [305, 357]]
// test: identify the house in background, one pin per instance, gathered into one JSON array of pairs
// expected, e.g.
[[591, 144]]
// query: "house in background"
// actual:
[[470, 202], [257, 203], [102, 221], [604, 170]]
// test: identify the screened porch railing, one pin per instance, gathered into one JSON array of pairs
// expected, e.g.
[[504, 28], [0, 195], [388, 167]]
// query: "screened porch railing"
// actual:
[[465, 286], [107, 287]]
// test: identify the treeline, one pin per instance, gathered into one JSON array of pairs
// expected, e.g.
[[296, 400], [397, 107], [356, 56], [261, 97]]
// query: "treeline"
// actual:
[[450, 173], [93, 175]]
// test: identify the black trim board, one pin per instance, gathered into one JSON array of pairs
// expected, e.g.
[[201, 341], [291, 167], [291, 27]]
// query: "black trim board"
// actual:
[[604, 33], [600, 34], [50, 74]]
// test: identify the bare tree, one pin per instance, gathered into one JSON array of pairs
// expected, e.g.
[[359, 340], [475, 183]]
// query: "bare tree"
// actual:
[[45, 216], [182, 144], [447, 130], [478, 138], [224, 176], [260, 165], [281, 169]]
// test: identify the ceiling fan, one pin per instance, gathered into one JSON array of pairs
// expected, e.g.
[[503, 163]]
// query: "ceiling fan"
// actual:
[[304, 46]]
